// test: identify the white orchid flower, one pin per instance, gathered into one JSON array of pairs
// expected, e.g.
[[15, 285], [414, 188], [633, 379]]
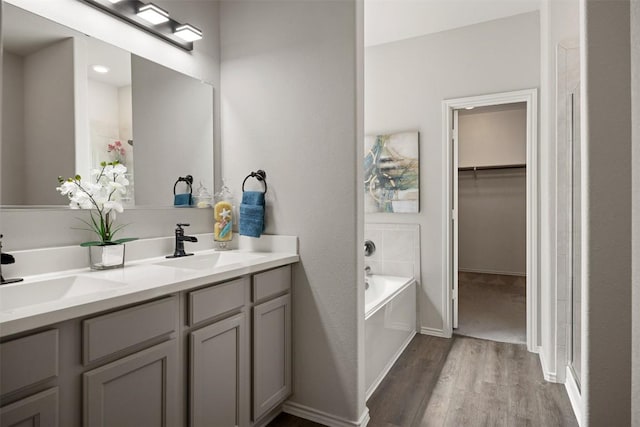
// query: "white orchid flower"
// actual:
[[103, 192], [114, 206]]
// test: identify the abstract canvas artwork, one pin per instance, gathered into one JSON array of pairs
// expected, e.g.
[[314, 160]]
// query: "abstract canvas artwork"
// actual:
[[391, 173]]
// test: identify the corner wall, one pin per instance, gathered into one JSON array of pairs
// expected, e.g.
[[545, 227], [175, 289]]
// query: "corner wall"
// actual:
[[606, 206], [290, 105], [405, 84], [635, 250]]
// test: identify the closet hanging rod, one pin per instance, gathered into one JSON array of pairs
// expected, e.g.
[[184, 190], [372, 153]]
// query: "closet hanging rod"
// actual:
[[479, 168]]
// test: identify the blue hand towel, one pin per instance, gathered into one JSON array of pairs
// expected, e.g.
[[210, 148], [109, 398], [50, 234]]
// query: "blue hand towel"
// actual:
[[252, 214], [255, 198], [183, 199]]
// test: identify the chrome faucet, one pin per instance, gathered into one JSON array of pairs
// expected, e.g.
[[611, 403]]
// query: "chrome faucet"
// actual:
[[6, 259], [180, 239]]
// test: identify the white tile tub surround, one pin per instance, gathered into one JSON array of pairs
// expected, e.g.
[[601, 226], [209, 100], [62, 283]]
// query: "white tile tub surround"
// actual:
[[397, 249]]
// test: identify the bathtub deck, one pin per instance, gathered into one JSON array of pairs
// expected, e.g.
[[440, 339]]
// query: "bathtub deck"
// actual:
[[463, 382]]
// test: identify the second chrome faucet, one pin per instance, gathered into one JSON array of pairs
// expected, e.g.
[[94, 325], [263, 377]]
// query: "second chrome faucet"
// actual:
[[180, 239]]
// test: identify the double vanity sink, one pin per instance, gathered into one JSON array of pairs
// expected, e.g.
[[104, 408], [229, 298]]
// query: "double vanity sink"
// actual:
[[47, 298], [198, 340]]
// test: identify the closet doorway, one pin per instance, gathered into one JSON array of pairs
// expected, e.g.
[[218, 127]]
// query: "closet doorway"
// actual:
[[491, 289]]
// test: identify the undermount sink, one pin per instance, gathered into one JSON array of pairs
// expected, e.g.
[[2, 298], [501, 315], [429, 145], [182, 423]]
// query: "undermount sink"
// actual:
[[203, 262], [26, 294]]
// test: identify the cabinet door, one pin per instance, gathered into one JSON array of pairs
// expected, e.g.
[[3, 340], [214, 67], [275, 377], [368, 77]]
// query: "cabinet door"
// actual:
[[271, 354], [219, 393], [39, 410], [138, 390]]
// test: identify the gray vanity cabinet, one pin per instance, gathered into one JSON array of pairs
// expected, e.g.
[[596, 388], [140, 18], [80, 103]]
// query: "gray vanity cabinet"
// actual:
[[38, 410], [29, 369], [218, 355], [218, 374], [140, 387], [138, 390], [271, 340]]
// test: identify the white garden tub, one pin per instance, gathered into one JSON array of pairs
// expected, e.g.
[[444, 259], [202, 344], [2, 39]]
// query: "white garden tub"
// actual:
[[390, 324]]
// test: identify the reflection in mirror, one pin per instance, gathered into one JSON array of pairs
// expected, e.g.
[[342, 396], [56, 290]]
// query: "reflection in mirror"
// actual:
[[71, 101], [37, 107]]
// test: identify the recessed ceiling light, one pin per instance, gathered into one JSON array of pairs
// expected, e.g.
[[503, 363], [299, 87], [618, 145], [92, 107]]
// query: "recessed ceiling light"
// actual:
[[188, 32], [100, 69], [469, 108], [115, 1], [153, 14]]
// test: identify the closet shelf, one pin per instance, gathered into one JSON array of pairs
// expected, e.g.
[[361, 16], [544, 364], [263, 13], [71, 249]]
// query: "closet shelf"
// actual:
[[480, 168]]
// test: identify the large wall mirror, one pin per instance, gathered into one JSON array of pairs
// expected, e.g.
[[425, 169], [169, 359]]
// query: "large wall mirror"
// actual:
[[70, 101]]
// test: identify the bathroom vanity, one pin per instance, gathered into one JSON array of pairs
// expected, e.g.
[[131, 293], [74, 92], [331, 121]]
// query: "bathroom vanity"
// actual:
[[207, 346]]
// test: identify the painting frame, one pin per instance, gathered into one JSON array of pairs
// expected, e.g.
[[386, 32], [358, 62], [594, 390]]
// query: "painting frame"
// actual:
[[392, 172]]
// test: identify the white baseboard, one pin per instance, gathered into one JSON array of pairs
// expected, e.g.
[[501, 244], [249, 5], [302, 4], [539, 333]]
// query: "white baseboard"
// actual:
[[503, 273], [433, 332], [574, 395], [548, 375], [324, 418], [389, 365]]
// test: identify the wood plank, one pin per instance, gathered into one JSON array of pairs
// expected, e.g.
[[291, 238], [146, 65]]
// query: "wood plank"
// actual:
[[464, 382]]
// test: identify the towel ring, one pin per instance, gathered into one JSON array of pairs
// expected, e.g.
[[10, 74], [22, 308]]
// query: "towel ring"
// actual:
[[188, 179], [260, 175]]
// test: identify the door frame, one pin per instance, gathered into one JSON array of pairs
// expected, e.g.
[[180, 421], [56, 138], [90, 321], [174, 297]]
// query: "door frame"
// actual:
[[530, 97]]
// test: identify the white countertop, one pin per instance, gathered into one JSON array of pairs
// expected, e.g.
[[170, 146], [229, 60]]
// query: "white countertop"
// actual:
[[138, 281]]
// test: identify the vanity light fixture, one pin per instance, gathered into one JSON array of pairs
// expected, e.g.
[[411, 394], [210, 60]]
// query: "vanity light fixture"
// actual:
[[152, 19], [153, 14], [188, 32]]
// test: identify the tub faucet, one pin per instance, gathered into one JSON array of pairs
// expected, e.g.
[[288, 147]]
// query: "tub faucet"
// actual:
[[180, 239], [367, 273], [6, 259]]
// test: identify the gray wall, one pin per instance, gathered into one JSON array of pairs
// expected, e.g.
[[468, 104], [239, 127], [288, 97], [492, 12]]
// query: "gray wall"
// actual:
[[405, 84], [46, 228], [606, 246], [635, 130], [289, 107], [12, 167], [492, 213]]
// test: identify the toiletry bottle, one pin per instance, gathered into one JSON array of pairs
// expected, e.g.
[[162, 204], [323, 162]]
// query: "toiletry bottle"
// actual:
[[223, 215]]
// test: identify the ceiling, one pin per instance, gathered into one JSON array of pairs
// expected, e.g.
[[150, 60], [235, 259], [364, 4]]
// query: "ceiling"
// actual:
[[387, 21]]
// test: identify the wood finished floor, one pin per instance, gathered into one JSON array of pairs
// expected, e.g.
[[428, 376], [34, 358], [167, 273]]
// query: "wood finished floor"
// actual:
[[463, 382]]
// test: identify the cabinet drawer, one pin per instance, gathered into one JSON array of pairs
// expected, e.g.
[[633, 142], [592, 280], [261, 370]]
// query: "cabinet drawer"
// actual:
[[38, 410], [28, 360], [271, 283], [210, 302], [129, 329]]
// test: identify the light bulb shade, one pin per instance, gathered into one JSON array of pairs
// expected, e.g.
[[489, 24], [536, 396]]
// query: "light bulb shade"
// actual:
[[153, 14], [188, 33], [102, 69]]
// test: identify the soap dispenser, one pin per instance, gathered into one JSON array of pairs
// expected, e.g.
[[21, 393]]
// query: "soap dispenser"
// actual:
[[223, 215]]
